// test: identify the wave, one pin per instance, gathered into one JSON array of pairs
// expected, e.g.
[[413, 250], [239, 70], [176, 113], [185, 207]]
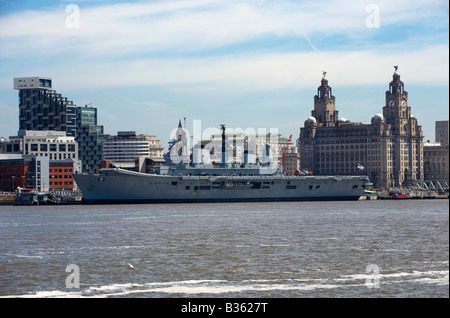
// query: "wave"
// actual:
[[224, 287], [428, 277], [203, 287], [26, 256]]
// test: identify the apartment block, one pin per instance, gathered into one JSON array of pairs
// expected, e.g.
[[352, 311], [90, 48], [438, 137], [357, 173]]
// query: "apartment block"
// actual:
[[42, 108]]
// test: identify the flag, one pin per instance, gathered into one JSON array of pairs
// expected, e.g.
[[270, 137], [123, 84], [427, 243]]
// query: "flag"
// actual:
[[360, 167]]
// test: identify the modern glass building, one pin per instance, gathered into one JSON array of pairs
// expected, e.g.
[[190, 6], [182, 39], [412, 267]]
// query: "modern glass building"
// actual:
[[42, 108]]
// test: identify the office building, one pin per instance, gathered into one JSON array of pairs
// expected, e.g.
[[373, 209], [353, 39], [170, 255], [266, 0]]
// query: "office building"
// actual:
[[436, 155], [389, 149], [24, 171], [90, 137], [291, 161], [60, 175], [436, 162], [124, 148], [60, 150], [44, 143], [42, 108], [441, 132]]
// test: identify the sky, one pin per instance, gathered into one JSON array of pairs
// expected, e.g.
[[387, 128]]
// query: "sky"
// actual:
[[248, 64]]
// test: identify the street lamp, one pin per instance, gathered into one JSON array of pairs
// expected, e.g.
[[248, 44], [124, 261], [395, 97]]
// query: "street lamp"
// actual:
[[13, 177]]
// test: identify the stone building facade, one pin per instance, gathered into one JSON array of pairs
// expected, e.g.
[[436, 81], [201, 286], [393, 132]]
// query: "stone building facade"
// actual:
[[389, 149], [436, 154], [441, 132], [436, 162]]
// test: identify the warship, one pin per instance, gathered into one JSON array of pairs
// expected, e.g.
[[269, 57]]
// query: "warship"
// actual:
[[187, 183]]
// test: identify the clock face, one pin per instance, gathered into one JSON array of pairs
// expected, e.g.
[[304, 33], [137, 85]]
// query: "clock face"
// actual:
[[404, 103], [391, 103]]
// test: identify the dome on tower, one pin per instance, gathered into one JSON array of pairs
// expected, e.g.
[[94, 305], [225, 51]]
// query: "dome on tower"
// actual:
[[311, 120], [378, 116], [378, 119]]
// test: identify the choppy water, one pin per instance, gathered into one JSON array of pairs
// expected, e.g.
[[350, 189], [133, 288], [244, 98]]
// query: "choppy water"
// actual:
[[305, 249]]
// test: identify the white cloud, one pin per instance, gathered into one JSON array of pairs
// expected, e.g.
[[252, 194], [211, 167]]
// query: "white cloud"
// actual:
[[253, 72], [190, 25], [220, 59]]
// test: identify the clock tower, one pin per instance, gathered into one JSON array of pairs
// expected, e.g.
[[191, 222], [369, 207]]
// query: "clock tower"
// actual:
[[404, 146], [396, 110], [325, 105]]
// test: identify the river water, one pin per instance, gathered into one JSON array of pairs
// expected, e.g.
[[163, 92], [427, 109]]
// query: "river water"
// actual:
[[383, 248]]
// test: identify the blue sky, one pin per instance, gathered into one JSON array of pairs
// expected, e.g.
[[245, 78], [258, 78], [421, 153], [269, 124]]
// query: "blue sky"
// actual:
[[248, 64]]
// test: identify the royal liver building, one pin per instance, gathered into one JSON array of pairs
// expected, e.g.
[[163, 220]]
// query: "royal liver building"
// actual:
[[389, 149]]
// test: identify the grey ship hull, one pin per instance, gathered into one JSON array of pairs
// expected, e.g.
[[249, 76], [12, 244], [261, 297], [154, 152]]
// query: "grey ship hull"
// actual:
[[121, 186]]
